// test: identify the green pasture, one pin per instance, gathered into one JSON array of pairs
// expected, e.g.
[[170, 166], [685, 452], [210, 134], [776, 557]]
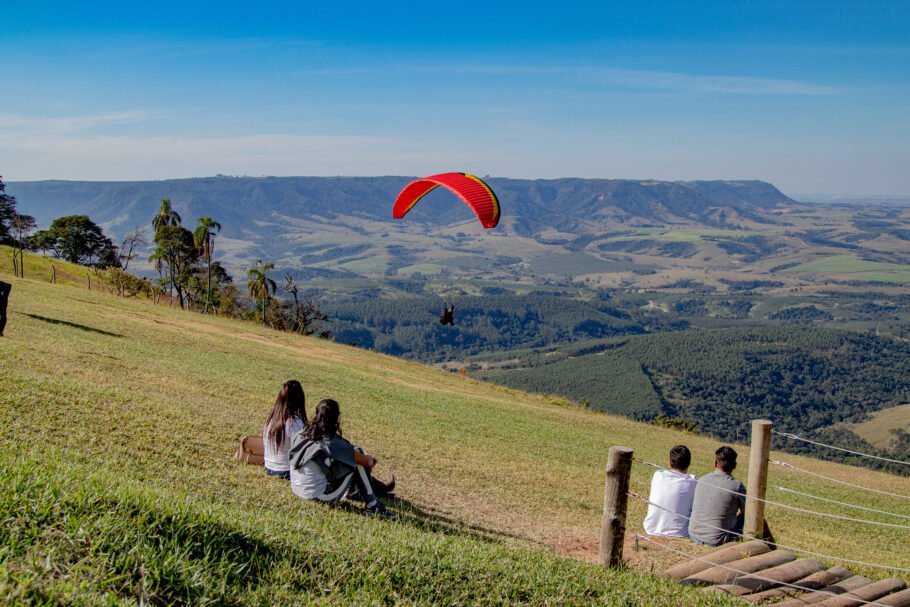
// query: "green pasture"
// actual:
[[856, 268], [423, 268], [471, 263], [119, 419], [579, 263], [374, 264]]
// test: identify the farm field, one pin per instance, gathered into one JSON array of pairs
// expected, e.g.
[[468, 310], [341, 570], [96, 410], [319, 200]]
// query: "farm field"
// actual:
[[120, 419], [694, 234], [877, 430], [852, 266]]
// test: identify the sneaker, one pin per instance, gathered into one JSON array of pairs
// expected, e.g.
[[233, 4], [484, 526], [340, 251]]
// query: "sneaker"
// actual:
[[384, 489], [379, 511]]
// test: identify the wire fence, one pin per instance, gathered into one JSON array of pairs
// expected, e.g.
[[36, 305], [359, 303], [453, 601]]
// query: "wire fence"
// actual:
[[837, 503], [797, 437], [835, 480]]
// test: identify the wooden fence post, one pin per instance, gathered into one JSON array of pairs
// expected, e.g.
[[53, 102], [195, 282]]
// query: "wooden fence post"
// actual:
[[53, 274], [613, 531], [754, 526]]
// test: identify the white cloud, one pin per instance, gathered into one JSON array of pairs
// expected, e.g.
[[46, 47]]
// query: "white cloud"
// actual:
[[71, 124], [43, 156], [642, 79], [711, 84]]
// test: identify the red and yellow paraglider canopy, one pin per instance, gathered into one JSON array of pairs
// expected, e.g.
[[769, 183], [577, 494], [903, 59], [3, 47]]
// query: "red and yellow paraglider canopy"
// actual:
[[472, 190]]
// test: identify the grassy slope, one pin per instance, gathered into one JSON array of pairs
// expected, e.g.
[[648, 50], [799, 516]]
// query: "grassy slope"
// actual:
[[123, 419], [38, 267]]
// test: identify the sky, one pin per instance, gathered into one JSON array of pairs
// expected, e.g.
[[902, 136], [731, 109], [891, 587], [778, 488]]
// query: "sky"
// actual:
[[811, 96]]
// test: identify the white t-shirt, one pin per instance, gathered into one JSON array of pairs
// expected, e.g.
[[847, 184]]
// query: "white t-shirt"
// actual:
[[276, 458], [674, 491]]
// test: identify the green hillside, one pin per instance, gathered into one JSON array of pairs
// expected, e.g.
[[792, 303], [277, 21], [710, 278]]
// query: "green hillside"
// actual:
[[119, 419]]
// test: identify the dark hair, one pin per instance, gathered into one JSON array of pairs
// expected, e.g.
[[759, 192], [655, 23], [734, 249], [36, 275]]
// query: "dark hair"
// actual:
[[680, 457], [325, 421], [291, 402], [725, 459]]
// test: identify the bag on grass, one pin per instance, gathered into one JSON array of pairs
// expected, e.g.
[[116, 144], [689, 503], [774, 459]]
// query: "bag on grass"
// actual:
[[251, 450]]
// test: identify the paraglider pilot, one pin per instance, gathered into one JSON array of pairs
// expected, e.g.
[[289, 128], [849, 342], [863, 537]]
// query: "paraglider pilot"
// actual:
[[448, 316]]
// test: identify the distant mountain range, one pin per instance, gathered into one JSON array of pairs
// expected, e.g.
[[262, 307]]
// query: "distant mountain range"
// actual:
[[530, 206], [343, 226]]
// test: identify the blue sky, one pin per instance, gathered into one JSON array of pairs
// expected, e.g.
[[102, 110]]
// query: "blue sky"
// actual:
[[812, 96]]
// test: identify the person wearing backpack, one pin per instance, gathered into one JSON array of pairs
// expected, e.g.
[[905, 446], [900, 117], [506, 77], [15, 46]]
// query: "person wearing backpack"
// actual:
[[326, 467]]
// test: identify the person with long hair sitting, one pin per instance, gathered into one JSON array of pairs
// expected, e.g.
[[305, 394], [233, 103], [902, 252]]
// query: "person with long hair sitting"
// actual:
[[327, 467], [286, 419]]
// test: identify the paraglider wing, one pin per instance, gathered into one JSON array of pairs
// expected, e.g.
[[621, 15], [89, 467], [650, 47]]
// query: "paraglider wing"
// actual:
[[474, 192]]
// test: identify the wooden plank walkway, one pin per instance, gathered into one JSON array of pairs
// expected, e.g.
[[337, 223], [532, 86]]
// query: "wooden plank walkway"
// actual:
[[757, 573]]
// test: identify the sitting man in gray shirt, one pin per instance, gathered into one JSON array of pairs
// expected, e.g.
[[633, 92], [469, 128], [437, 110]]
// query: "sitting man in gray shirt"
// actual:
[[717, 514]]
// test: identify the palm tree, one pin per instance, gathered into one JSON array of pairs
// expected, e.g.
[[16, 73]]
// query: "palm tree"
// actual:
[[259, 284], [166, 216], [204, 239], [157, 261]]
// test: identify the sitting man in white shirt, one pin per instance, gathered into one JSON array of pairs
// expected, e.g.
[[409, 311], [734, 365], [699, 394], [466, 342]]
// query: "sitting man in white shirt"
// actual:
[[673, 490]]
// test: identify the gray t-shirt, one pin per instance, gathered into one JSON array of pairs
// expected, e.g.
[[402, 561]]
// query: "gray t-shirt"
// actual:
[[713, 507], [309, 481]]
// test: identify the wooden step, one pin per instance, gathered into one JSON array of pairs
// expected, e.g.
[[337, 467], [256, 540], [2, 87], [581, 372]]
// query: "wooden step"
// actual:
[[770, 578], [719, 556], [812, 582], [898, 599], [811, 598], [723, 574], [870, 592]]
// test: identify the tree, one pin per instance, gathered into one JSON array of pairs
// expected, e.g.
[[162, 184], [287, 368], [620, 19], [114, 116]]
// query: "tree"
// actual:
[[126, 252], [78, 239], [259, 284], [166, 216], [304, 317], [176, 251], [204, 239], [22, 226], [7, 210], [43, 241], [157, 261]]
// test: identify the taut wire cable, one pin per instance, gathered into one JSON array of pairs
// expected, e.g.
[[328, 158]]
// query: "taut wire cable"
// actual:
[[818, 444], [848, 505], [834, 480]]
